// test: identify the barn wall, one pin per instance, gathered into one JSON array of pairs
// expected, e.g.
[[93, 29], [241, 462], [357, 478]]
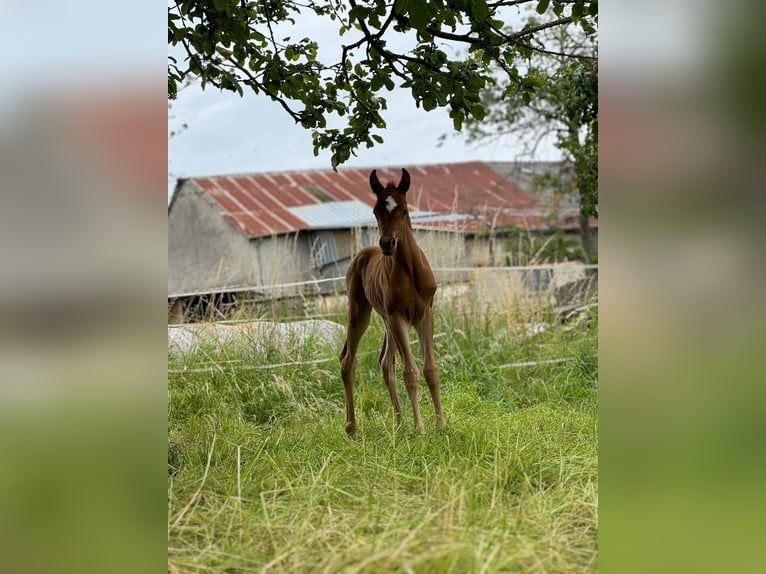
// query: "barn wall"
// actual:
[[443, 249], [281, 259], [479, 252], [204, 251]]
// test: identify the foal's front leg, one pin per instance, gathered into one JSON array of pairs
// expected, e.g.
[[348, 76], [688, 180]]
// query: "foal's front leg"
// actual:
[[401, 336]]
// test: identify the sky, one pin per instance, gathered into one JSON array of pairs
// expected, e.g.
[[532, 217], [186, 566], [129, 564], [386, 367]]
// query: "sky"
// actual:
[[227, 133]]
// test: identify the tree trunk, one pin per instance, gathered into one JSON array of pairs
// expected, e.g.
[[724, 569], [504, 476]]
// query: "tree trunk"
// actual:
[[581, 168], [586, 238]]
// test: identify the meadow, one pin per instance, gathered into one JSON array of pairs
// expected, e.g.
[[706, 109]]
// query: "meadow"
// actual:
[[262, 477]]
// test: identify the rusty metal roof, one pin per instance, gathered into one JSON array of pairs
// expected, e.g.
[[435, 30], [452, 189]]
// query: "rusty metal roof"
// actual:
[[465, 197]]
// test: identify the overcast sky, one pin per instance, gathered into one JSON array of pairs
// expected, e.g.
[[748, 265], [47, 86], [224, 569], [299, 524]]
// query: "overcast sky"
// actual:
[[229, 134]]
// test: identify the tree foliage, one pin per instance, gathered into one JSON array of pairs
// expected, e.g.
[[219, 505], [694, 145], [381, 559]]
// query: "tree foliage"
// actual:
[[240, 45], [565, 106]]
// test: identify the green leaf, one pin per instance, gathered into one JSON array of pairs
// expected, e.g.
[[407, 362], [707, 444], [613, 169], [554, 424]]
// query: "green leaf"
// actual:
[[419, 15], [526, 97], [221, 5], [377, 138], [457, 120], [480, 10], [478, 112], [194, 65], [542, 6]]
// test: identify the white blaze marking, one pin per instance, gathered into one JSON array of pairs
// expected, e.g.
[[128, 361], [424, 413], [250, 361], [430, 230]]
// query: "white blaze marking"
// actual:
[[390, 203]]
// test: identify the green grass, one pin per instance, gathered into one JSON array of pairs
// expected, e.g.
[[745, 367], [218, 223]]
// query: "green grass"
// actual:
[[261, 476]]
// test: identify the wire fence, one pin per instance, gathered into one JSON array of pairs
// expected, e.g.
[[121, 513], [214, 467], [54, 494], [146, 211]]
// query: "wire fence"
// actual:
[[218, 366], [484, 283], [237, 365], [278, 288], [321, 298]]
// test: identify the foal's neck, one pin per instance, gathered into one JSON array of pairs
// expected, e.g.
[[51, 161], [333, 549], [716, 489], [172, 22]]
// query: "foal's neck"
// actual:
[[407, 250]]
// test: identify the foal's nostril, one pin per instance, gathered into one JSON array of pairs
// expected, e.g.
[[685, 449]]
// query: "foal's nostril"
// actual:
[[387, 245]]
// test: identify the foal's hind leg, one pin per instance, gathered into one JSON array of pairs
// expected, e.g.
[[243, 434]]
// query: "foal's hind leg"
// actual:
[[400, 333], [430, 368], [387, 360], [358, 319]]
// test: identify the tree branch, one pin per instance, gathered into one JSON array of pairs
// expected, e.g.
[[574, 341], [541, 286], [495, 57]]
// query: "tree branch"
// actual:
[[512, 38], [535, 29], [297, 116], [389, 56]]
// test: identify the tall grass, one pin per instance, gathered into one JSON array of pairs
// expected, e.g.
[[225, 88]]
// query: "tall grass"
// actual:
[[261, 476]]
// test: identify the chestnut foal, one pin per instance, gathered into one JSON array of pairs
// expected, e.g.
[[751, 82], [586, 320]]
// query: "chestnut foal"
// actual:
[[396, 280]]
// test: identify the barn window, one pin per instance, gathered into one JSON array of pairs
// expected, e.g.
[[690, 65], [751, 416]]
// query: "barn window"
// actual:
[[317, 192], [323, 249]]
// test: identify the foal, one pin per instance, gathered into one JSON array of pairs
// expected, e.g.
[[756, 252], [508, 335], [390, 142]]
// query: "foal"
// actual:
[[396, 280]]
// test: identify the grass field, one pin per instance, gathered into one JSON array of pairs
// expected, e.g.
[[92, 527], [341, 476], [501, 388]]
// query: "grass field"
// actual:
[[261, 476]]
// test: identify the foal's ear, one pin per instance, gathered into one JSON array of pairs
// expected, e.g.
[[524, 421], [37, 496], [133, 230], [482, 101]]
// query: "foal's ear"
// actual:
[[374, 183], [404, 184]]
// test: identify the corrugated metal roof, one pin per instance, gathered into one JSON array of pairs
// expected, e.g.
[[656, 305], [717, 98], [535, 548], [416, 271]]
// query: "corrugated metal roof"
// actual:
[[429, 217], [466, 197], [335, 214]]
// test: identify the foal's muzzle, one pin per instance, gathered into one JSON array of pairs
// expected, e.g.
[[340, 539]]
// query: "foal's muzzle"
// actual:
[[387, 245]]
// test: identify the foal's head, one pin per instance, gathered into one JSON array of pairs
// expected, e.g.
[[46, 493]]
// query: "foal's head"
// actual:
[[391, 210]]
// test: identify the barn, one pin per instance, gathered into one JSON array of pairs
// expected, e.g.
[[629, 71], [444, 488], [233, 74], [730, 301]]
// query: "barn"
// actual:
[[283, 234]]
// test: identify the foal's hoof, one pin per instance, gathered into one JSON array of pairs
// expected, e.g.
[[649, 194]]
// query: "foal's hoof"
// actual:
[[350, 429], [441, 423]]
